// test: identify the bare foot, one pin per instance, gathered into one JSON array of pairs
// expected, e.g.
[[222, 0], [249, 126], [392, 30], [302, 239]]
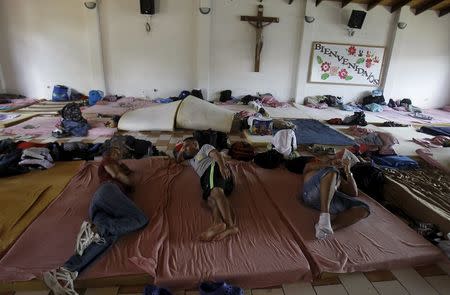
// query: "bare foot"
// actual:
[[228, 232], [211, 232]]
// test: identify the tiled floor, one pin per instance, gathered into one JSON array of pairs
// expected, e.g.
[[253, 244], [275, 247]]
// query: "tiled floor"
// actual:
[[421, 280]]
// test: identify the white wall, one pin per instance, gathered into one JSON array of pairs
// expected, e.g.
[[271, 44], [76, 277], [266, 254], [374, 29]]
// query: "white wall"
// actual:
[[136, 62], [50, 42], [43, 43], [233, 46], [420, 65], [330, 25]]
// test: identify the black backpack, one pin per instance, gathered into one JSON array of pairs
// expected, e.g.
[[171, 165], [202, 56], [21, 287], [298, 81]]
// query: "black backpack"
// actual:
[[374, 99], [369, 179], [225, 95], [72, 112], [217, 139], [269, 160]]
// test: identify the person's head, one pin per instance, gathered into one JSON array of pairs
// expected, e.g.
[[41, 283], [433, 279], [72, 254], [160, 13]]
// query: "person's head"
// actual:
[[114, 153], [190, 148]]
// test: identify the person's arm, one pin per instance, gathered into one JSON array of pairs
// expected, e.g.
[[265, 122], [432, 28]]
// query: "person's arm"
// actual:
[[125, 168], [117, 173], [348, 186], [218, 157]]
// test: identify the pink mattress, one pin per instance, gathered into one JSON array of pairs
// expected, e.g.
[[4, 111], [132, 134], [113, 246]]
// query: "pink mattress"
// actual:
[[439, 116], [43, 126], [50, 240], [118, 107], [378, 242], [168, 248], [264, 253], [17, 104], [275, 245]]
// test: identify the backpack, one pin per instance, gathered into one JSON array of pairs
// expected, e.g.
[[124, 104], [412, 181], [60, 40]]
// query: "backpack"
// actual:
[[225, 95], [217, 139], [269, 160], [242, 151], [374, 99], [72, 112], [197, 93], [60, 93]]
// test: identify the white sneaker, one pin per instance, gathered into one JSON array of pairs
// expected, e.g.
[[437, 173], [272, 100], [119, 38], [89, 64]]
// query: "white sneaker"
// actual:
[[85, 237], [60, 281], [323, 232]]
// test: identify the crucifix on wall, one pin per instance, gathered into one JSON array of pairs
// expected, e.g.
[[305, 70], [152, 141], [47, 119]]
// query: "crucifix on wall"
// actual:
[[259, 22]]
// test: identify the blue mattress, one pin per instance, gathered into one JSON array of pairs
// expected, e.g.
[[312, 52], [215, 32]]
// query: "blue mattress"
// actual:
[[433, 130], [311, 131]]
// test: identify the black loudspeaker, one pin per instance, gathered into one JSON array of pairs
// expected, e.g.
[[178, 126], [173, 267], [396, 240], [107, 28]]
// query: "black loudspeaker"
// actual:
[[356, 19], [148, 7]]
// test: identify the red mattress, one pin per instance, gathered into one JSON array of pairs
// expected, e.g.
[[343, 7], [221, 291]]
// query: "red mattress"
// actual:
[[275, 245], [265, 253], [379, 242]]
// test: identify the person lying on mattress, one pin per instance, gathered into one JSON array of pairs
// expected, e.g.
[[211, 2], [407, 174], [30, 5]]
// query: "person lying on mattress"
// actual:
[[112, 215], [217, 183], [329, 186]]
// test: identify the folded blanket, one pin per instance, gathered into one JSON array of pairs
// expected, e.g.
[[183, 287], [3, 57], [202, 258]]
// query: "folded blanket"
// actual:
[[401, 162]]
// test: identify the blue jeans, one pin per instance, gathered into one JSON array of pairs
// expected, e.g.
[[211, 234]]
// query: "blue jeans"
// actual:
[[340, 202], [113, 215]]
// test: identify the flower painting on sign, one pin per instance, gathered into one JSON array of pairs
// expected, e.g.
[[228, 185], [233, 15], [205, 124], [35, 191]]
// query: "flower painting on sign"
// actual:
[[346, 64]]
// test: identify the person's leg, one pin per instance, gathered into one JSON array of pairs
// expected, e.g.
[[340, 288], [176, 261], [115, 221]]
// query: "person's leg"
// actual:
[[217, 218], [223, 204], [218, 224], [319, 190], [349, 217], [79, 262], [114, 214], [227, 213]]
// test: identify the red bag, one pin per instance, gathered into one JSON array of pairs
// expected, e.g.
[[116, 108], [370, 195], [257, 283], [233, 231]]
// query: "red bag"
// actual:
[[242, 151]]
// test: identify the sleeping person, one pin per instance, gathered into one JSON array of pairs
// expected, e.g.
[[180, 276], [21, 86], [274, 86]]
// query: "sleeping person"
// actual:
[[329, 187], [112, 214], [216, 181]]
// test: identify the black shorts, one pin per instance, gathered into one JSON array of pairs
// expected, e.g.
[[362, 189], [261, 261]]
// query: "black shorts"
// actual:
[[213, 178]]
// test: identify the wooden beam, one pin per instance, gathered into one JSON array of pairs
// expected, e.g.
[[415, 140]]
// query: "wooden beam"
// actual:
[[318, 2], [444, 11], [399, 5], [427, 5], [345, 2], [265, 19], [372, 4]]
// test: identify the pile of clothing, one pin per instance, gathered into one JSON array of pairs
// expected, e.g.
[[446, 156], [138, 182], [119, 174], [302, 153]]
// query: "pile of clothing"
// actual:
[[72, 151], [323, 101], [130, 147], [374, 102], [380, 142], [183, 94], [266, 99], [36, 158], [10, 156], [358, 118], [73, 123], [405, 105]]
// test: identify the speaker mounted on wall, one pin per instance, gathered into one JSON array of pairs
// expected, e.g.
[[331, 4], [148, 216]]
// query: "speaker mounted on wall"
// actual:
[[356, 19], [148, 7]]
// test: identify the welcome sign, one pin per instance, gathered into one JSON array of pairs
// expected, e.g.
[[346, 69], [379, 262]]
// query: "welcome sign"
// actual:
[[346, 64]]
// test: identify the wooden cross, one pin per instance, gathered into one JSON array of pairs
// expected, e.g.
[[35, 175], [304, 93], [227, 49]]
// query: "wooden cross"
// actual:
[[259, 22]]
